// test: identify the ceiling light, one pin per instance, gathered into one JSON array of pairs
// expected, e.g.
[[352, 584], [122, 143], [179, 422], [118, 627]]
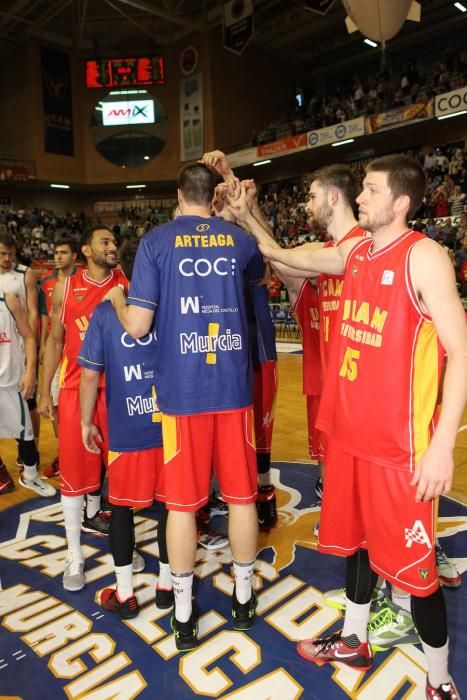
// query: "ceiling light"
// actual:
[[134, 187], [371, 43], [341, 143], [61, 187], [146, 157], [454, 114], [262, 162], [460, 6]]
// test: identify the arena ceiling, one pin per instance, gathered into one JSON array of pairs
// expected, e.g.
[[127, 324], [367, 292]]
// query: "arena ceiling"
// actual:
[[282, 27]]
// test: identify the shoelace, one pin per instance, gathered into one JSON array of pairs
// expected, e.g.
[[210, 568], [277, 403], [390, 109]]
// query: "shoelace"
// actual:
[[382, 618], [326, 643], [74, 566], [132, 603], [441, 558]]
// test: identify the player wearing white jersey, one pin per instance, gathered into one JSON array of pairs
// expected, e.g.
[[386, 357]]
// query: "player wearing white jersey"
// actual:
[[17, 384], [21, 281]]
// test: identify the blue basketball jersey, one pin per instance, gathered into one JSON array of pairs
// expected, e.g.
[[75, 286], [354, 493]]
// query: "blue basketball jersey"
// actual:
[[263, 334], [134, 420], [192, 272]]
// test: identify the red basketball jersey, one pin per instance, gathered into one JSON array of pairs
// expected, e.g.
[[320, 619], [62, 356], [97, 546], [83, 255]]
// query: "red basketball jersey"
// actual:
[[381, 386], [81, 295], [306, 312], [330, 290]]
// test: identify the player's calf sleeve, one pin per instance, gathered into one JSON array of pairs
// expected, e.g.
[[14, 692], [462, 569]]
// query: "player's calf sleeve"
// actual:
[[263, 461], [161, 534], [27, 452], [360, 579], [121, 535], [429, 616]]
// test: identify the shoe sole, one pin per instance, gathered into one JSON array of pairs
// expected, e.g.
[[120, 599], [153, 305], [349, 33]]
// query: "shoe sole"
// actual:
[[73, 590], [30, 488], [94, 532], [450, 584], [321, 662], [242, 627], [127, 616], [380, 647], [332, 604], [212, 548], [186, 649]]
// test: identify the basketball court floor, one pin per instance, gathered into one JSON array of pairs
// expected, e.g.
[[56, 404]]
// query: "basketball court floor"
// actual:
[[54, 643]]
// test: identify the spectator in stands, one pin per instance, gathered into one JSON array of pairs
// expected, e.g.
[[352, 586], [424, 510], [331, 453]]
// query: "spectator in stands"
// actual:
[[457, 201]]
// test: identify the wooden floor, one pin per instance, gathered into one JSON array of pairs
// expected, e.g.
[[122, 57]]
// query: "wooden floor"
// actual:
[[289, 442]]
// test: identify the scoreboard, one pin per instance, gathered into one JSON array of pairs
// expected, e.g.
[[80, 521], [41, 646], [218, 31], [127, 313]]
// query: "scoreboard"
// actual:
[[123, 72]]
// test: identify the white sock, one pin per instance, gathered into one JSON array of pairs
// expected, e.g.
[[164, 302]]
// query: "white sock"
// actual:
[[124, 576], [380, 583], [93, 504], [437, 661], [182, 585], [73, 510], [265, 479], [402, 600], [164, 581], [30, 472], [356, 620], [243, 573]]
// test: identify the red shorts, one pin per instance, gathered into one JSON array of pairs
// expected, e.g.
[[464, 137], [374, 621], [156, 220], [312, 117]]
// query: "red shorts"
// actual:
[[372, 507], [315, 436], [80, 470], [264, 403], [196, 445], [136, 478]]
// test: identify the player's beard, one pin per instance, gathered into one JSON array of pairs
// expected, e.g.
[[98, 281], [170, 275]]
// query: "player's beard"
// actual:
[[105, 262], [382, 218], [321, 217]]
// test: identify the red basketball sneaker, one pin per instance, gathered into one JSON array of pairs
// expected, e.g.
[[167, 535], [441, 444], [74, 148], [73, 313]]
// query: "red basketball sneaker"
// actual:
[[446, 691], [334, 649]]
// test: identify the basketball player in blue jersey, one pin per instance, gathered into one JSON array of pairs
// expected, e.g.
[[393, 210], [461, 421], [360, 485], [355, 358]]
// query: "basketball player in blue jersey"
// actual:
[[135, 457], [191, 273], [263, 349]]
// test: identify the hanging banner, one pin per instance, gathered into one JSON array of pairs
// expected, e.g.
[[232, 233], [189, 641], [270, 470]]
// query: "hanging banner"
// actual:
[[56, 96], [322, 7], [191, 117], [451, 102], [237, 24], [337, 132], [290, 144], [398, 116]]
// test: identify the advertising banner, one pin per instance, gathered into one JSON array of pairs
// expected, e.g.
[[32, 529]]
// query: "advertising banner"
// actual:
[[128, 112], [399, 115], [337, 132], [451, 102], [290, 144]]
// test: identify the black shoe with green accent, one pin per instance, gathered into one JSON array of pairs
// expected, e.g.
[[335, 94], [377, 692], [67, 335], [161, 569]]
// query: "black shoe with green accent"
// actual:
[[186, 633], [243, 613]]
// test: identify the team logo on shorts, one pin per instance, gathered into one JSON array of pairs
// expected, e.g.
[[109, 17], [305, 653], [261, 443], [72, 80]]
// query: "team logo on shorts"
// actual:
[[202, 227], [423, 574], [417, 534]]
